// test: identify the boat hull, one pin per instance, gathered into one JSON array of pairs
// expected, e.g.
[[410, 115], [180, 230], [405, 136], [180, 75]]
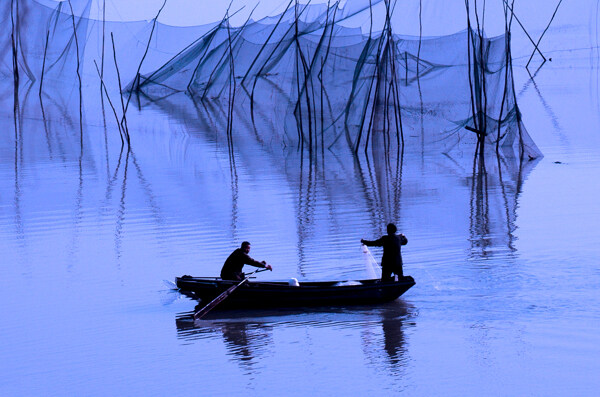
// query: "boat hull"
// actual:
[[281, 294]]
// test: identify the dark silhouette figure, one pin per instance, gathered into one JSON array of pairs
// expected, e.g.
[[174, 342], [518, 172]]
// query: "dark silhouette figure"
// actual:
[[391, 262], [232, 269]]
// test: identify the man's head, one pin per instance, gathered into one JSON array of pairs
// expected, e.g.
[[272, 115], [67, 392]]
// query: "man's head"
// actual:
[[246, 246], [391, 228]]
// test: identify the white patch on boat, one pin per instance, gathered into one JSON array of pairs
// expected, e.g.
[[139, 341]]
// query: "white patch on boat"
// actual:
[[293, 282], [347, 283]]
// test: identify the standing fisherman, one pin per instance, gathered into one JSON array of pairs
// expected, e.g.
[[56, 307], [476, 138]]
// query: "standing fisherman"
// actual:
[[391, 261], [232, 269]]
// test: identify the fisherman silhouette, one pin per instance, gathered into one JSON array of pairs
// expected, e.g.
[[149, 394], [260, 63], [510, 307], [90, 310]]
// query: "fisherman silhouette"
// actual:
[[232, 269], [391, 261]]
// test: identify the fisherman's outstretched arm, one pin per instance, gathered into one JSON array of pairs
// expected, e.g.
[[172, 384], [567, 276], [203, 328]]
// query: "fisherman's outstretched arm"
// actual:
[[373, 243], [255, 263]]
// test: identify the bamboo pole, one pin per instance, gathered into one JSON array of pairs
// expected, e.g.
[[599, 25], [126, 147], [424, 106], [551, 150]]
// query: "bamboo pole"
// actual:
[[223, 58], [536, 48], [298, 104], [211, 35], [15, 63], [43, 67], [362, 59], [481, 88], [469, 44], [125, 128], [375, 97], [111, 104], [507, 25], [259, 73], [393, 83], [136, 80], [78, 77], [19, 48], [265, 43], [232, 85], [103, 36], [543, 33]]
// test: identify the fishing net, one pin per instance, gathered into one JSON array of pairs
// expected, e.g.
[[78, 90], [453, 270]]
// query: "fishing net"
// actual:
[[344, 81], [305, 79]]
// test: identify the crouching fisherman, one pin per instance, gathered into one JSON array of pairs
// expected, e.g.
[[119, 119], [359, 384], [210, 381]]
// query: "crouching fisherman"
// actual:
[[232, 269], [391, 262]]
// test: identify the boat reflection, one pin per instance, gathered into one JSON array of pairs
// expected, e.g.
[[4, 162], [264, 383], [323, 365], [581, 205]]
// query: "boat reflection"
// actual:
[[393, 336], [248, 334], [244, 340], [385, 345]]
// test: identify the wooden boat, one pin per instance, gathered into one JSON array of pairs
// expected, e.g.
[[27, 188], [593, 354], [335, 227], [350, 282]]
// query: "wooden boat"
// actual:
[[282, 294]]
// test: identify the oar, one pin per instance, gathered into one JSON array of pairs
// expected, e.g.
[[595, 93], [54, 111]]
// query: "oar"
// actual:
[[202, 312]]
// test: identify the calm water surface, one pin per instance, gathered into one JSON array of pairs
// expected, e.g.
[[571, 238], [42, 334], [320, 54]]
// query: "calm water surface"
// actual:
[[506, 262]]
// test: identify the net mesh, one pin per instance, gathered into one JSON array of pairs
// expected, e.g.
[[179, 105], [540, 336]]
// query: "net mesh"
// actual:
[[303, 78], [313, 82]]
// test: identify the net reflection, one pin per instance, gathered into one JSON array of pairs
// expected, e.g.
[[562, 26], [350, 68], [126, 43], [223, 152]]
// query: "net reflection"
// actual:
[[479, 194]]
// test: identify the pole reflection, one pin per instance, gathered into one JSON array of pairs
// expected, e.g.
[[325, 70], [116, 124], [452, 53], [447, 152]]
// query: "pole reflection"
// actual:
[[494, 189]]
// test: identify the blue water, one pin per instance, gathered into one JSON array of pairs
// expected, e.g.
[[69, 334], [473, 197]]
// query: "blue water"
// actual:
[[507, 268]]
